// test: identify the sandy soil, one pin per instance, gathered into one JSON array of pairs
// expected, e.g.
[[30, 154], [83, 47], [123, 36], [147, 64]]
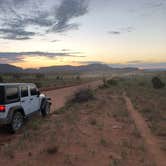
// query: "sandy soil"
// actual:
[[60, 96], [98, 133], [151, 141]]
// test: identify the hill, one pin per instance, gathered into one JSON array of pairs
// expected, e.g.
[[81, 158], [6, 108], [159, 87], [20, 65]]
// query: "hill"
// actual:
[[6, 68], [84, 68]]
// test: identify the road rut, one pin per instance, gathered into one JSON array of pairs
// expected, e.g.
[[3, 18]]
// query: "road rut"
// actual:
[[150, 140]]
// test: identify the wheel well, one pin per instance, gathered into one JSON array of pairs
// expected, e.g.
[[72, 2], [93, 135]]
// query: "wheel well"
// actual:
[[20, 110]]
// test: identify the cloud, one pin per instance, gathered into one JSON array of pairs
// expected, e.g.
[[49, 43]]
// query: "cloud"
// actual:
[[153, 4], [114, 32], [66, 11], [53, 41], [121, 31], [141, 64], [20, 2], [9, 57], [134, 62], [15, 34], [17, 16], [88, 62]]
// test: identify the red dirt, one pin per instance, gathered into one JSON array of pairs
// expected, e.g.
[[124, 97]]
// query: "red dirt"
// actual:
[[151, 142], [60, 96], [111, 141], [44, 89]]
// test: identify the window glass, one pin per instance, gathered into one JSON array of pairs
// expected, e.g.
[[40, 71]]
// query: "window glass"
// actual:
[[1, 94], [12, 93], [24, 91], [33, 90]]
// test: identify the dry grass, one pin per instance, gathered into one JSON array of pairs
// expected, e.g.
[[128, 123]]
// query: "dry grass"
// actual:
[[149, 101], [52, 150], [98, 132]]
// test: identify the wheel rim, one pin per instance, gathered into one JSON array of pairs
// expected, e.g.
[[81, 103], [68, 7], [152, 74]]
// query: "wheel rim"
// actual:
[[17, 121], [47, 109]]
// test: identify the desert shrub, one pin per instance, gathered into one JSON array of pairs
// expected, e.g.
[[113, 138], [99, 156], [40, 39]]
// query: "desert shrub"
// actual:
[[16, 76], [52, 150], [142, 84], [157, 83], [112, 82], [108, 83], [61, 110], [93, 122], [38, 84], [104, 80], [58, 77], [40, 76], [103, 142], [104, 85], [83, 95], [78, 77], [1, 79]]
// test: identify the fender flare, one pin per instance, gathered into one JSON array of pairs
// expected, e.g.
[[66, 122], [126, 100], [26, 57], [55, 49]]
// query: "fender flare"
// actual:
[[12, 110]]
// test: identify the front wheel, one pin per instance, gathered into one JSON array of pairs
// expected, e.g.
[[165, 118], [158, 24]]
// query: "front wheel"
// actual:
[[46, 109], [17, 122]]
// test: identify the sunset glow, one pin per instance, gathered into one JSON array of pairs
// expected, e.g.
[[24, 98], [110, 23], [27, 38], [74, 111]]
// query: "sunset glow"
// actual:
[[111, 32]]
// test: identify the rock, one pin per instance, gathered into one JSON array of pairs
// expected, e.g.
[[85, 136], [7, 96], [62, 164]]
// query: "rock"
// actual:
[[116, 127]]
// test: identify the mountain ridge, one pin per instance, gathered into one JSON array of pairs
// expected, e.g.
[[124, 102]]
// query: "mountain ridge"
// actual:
[[7, 68]]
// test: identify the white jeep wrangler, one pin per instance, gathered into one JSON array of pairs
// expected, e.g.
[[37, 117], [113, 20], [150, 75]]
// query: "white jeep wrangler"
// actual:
[[20, 100]]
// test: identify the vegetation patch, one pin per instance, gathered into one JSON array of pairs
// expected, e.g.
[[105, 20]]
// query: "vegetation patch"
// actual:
[[35, 124], [47, 81], [148, 95], [52, 150], [103, 142], [109, 83], [61, 110], [157, 83], [83, 95], [1, 79], [93, 122], [8, 151], [114, 162], [112, 82]]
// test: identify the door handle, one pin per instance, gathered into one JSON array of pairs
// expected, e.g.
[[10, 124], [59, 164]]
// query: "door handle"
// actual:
[[31, 99], [23, 101]]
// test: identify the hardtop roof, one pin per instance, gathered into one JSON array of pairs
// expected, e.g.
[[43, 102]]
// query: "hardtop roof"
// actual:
[[15, 84]]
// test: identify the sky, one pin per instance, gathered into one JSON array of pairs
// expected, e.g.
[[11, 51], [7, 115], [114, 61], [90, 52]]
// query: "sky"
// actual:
[[37, 33]]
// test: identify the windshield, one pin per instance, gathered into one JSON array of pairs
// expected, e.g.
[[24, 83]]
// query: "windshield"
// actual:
[[1, 95]]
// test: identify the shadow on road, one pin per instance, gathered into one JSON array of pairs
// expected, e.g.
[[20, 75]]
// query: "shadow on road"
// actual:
[[5, 136]]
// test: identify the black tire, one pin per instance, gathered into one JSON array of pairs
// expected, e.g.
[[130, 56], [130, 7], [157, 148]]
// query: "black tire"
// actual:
[[17, 122], [46, 106]]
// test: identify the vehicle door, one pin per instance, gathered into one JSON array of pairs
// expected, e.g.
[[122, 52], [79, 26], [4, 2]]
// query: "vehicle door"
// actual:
[[12, 97], [34, 98], [25, 99]]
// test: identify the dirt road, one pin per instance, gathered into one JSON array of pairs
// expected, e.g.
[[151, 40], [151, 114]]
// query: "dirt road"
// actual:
[[150, 140], [60, 96], [98, 124], [92, 134]]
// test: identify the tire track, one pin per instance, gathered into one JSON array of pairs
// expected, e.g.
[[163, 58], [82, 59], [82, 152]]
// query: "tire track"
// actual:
[[150, 140]]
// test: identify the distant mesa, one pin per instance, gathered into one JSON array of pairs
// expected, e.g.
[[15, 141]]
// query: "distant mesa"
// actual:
[[6, 68]]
